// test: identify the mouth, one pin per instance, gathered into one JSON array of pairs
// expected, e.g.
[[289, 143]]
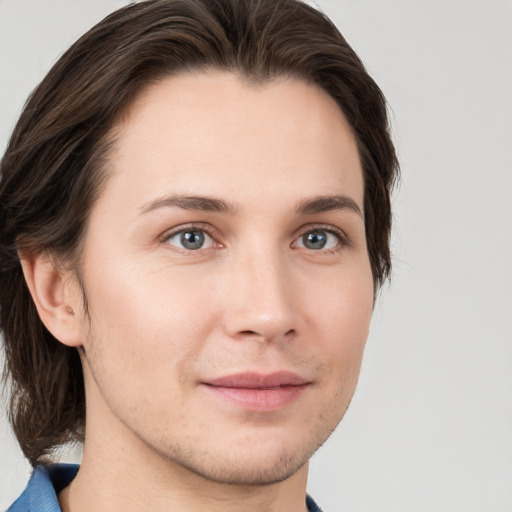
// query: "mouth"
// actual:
[[259, 392]]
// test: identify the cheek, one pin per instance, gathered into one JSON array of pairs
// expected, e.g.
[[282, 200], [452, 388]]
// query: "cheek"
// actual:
[[149, 318], [147, 323], [342, 314]]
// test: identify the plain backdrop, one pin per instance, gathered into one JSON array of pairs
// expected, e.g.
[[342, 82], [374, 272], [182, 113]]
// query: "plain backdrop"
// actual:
[[430, 426]]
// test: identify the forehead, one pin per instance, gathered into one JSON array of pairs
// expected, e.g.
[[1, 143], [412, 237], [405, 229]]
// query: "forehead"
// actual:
[[214, 133]]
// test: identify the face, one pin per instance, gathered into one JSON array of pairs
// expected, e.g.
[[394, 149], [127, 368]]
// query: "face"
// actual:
[[227, 277]]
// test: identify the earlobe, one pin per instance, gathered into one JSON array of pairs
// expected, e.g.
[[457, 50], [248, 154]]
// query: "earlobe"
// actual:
[[54, 297]]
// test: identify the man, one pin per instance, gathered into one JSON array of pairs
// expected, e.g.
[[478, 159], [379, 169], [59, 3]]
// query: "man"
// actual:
[[195, 221]]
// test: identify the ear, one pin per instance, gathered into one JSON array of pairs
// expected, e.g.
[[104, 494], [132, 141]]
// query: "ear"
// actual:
[[56, 296]]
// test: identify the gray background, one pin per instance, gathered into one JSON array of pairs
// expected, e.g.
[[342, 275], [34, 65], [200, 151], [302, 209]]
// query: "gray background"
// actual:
[[430, 427]]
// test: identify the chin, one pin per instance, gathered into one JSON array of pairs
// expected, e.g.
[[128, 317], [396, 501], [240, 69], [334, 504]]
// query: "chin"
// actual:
[[248, 472], [256, 462]]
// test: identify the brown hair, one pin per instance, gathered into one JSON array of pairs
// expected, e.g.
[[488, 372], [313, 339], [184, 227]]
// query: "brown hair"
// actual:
[[53, 167]]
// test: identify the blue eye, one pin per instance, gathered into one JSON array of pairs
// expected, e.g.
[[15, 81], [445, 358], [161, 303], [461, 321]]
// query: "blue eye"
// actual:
[[191, 239], [318, 239]]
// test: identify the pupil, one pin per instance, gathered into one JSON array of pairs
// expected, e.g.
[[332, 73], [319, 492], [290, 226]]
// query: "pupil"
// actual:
[[192, 239], [315, 240]]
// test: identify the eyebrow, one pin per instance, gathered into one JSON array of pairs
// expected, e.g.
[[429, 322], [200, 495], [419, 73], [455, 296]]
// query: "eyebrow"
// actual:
[[193, 203], [210, 204], [327, 203]]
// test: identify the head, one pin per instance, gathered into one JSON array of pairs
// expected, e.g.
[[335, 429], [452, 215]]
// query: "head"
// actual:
[[224, 118]]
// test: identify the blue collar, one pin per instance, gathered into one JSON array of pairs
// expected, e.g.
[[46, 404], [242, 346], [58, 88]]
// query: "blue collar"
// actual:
[[46, 482]]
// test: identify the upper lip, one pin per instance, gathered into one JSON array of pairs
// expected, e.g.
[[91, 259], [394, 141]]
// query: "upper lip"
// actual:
[[254, 380]]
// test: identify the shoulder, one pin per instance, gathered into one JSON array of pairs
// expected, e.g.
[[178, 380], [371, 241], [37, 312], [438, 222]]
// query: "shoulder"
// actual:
[[312, 506], [40, 495]]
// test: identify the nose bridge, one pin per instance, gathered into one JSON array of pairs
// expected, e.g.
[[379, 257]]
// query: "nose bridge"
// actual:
[[262, 295]]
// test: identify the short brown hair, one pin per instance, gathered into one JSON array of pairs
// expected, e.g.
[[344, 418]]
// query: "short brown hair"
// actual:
[[54, 165]]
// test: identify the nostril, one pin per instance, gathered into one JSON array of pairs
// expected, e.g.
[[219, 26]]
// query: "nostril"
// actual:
[[250, 333], [254, 333]]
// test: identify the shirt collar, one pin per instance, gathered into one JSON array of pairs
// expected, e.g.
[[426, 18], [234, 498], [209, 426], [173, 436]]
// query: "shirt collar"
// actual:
[[41, 492]]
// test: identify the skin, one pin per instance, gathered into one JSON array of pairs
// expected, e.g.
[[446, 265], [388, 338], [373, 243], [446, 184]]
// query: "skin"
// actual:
[[165, 319]]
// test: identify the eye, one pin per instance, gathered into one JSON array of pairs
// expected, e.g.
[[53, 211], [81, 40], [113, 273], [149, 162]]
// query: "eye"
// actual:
[[319, 239], [190, 239]]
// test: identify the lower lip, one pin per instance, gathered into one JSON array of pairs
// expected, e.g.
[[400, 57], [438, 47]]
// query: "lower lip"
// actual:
[[267, 399]]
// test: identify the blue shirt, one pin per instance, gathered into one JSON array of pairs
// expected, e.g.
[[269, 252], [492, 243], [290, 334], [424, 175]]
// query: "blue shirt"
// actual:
[[46, 482]]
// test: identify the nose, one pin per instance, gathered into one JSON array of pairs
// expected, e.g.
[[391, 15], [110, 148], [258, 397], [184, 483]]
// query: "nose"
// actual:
[[260, 297]]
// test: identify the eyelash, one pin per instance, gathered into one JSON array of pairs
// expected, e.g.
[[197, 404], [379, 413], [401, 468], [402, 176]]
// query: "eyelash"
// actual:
[[343, 240], [206, 228]]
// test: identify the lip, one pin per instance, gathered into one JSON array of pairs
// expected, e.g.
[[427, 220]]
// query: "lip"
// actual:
[[259, 392]]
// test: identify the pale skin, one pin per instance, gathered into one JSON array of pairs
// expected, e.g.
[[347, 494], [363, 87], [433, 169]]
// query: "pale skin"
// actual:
[[273, 276]]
